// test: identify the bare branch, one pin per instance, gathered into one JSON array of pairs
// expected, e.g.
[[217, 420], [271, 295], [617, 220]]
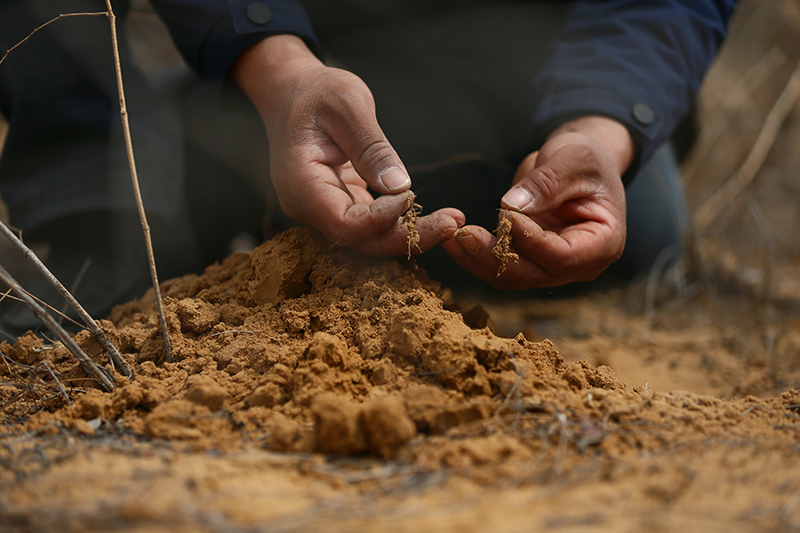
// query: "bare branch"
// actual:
[[113, 353], [102, 338], [63, 15], [123, 111], [55, 379], [91, 368]]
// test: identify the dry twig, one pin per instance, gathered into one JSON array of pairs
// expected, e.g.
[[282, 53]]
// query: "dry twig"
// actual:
[[515, 389], [651, 290], [63, 15], [233, 331], [89, 366], [57, 382], [113, 353], [123, 111], [61, 315], [109, 13], [766, 243]]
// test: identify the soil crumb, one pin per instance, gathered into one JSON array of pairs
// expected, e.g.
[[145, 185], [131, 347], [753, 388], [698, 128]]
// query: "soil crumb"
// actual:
[[410, 220], [502, 249]]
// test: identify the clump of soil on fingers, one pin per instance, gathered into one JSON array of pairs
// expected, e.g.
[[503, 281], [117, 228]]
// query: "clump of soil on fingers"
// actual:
[[502, 248], [312, 386]]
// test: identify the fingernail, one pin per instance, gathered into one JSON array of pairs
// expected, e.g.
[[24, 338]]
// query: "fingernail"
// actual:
[[469, 242], [517, 198], [394, 179]]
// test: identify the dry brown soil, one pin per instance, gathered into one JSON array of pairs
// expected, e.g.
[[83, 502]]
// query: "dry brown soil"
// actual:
[[316, 389], [313, 389]]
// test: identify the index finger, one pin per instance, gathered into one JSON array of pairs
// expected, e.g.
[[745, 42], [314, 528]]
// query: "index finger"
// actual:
[[576, 253], [330, 207]]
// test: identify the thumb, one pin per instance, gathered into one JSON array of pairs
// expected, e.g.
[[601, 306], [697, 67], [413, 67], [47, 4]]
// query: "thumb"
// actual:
[[534, 187], [544, 181], [373, 157]]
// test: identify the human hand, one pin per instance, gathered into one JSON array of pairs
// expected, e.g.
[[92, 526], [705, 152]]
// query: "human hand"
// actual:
[[326, 147], [567, 208]]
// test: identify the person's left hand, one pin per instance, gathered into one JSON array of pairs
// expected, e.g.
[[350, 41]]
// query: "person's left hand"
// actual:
[[567, 209]]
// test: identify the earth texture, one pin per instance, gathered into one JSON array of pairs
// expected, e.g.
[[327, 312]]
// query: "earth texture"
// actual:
[[312, 388]]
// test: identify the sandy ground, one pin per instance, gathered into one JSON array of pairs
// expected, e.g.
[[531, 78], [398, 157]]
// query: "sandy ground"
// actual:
[[316, 390]]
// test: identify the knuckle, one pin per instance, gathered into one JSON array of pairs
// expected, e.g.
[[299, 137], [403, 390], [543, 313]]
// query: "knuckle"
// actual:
[[373, 153], [590, 165], [544, 182]]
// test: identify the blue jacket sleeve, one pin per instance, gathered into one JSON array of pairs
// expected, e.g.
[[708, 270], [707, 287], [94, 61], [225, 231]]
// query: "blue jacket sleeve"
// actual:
[[212, 33], [638, 62]]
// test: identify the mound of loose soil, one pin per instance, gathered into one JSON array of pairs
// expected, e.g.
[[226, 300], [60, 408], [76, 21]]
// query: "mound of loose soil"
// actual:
[[311, 349], [304, 348]]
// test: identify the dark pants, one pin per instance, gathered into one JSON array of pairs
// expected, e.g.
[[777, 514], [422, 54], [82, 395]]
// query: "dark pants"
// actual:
[[452, 89]]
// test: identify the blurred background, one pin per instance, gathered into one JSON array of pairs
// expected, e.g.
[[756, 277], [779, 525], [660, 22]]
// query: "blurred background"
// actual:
[[748, 108]]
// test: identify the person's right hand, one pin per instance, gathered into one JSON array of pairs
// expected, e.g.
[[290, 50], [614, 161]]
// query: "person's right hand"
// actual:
[[326, 147], [567, 209]]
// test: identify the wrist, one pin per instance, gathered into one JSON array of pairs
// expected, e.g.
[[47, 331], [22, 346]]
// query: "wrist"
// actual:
[[611, 134], [265, 70]]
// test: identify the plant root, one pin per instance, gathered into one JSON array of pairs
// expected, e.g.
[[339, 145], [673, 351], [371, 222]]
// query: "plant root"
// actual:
[[502, 250], [410, 220]]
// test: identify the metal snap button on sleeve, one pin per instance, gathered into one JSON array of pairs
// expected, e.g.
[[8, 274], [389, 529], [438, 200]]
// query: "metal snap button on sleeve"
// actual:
[[258, 13], [643, 114]]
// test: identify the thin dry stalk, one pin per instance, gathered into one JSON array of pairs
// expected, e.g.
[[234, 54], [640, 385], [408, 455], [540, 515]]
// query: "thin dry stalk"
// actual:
[[652, 289], [90, 367], [233, 331], [57, 382], [766, 242], [755, 159], [123, 111], [77, 283], [102, 338], [561, 447], [61, 315], [113, 353], [63, 15]]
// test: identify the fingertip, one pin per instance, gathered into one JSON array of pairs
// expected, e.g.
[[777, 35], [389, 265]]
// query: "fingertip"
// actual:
[[453, 247], [517, 199], [460, 219], [468, 241], [454, 219], [387, 208], [394, 179]]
